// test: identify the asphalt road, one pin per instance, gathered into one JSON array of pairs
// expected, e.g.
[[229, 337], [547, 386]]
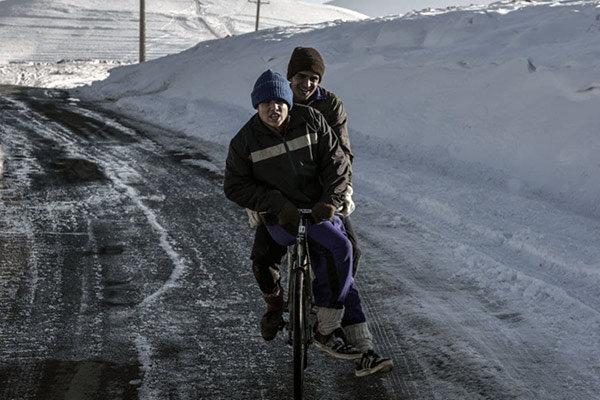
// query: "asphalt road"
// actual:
[[124, 271]]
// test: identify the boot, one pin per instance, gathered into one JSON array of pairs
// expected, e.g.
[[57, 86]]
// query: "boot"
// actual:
[[272, 321]]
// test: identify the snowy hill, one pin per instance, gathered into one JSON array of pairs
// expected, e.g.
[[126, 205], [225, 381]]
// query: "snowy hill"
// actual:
[[510, 91], [52, 30], [376, 8]]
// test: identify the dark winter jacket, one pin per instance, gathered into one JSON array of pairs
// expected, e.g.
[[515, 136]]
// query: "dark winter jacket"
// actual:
[[304, 164], [332, 108]]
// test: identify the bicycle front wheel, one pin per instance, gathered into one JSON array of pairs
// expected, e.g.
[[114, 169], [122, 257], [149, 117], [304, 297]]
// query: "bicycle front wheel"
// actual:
[[298, 334]]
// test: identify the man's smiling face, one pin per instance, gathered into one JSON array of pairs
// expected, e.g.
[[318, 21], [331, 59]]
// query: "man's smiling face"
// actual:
[[304, 84]]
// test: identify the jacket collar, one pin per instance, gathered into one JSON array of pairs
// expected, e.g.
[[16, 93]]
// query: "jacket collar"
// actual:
[[264, 129], [319, 94]]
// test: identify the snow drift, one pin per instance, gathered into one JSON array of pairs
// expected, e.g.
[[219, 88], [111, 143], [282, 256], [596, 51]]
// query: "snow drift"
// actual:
[[508, 92]]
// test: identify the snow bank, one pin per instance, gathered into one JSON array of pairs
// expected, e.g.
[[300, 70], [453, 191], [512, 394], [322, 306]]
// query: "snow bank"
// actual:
[[508, 92]]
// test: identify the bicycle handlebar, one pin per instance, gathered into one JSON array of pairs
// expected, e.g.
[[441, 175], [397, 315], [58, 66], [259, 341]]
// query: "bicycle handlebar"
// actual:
[[308, 211]]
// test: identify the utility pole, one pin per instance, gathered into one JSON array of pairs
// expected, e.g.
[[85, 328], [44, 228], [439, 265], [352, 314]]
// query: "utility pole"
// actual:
[[258, 3], [142, 31]]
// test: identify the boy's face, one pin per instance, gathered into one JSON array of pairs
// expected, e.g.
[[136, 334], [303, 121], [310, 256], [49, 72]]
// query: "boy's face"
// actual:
[[304, 84], [273, 113]]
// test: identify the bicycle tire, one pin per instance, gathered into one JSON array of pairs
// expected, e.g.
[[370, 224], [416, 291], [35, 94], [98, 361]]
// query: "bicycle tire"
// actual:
[[298, 334], [308, 326]]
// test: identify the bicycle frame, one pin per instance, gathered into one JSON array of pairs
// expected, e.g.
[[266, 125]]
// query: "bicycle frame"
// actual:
[[300, 301]]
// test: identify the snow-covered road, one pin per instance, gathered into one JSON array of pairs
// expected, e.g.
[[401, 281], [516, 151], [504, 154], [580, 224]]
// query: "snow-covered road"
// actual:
[[124, 271]]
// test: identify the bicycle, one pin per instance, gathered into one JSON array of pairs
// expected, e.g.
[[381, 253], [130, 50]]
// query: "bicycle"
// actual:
[[302, 318]]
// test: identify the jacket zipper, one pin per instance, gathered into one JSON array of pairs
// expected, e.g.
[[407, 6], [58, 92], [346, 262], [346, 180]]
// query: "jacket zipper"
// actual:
[[287, 150]]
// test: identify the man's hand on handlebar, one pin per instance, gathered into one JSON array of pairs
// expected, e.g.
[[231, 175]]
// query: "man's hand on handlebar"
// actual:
[[288, 216], [323, 212]]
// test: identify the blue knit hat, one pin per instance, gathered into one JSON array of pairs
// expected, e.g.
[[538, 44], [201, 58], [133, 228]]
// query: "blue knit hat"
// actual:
[[271, 86]]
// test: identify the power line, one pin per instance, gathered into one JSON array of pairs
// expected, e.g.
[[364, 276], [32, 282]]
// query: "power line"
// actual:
[[142, 31], [258, 3]]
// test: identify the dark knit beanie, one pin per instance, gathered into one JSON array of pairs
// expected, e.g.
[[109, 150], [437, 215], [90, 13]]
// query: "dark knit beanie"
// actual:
[[306, 59], [271, 86]]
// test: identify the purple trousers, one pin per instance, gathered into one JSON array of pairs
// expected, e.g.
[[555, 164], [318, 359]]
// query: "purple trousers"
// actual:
[[331, 288]]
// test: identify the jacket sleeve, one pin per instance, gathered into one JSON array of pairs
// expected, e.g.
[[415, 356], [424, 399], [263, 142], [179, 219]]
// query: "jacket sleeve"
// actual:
[[334, 164], [242, 188], [338, 120]]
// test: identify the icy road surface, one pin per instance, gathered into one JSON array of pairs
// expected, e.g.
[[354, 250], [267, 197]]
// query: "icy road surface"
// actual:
[[124, 274], [124, 271]]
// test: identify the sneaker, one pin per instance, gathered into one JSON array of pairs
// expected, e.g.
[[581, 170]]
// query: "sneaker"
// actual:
[[272, 321], [370, 363], [335, 344]]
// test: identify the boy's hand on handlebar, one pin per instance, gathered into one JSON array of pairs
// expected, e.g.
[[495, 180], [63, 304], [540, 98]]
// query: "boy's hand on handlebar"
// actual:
[[288, 215], [323, 211]]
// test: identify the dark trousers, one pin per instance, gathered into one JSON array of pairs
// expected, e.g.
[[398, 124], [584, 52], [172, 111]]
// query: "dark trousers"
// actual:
[[332, 287], [267, 254]]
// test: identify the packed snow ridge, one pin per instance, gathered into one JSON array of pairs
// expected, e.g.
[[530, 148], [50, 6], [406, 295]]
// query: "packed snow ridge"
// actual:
[[508, 92]]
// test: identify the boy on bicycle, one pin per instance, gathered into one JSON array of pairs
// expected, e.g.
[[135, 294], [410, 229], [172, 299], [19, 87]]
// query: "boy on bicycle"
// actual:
[[287, 157]]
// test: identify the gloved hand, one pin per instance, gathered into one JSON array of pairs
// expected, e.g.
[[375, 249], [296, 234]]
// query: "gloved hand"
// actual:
[[288, 215], [253, 218], [322, 211], [348, 206]]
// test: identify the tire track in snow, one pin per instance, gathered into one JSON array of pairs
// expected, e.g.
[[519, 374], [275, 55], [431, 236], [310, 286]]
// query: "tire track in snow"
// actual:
[[388, 345], [180, 263], [167, 243], [435, 345]]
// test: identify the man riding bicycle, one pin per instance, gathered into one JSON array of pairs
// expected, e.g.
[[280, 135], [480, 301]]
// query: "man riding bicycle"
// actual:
[[287, 157], [305, 72]]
